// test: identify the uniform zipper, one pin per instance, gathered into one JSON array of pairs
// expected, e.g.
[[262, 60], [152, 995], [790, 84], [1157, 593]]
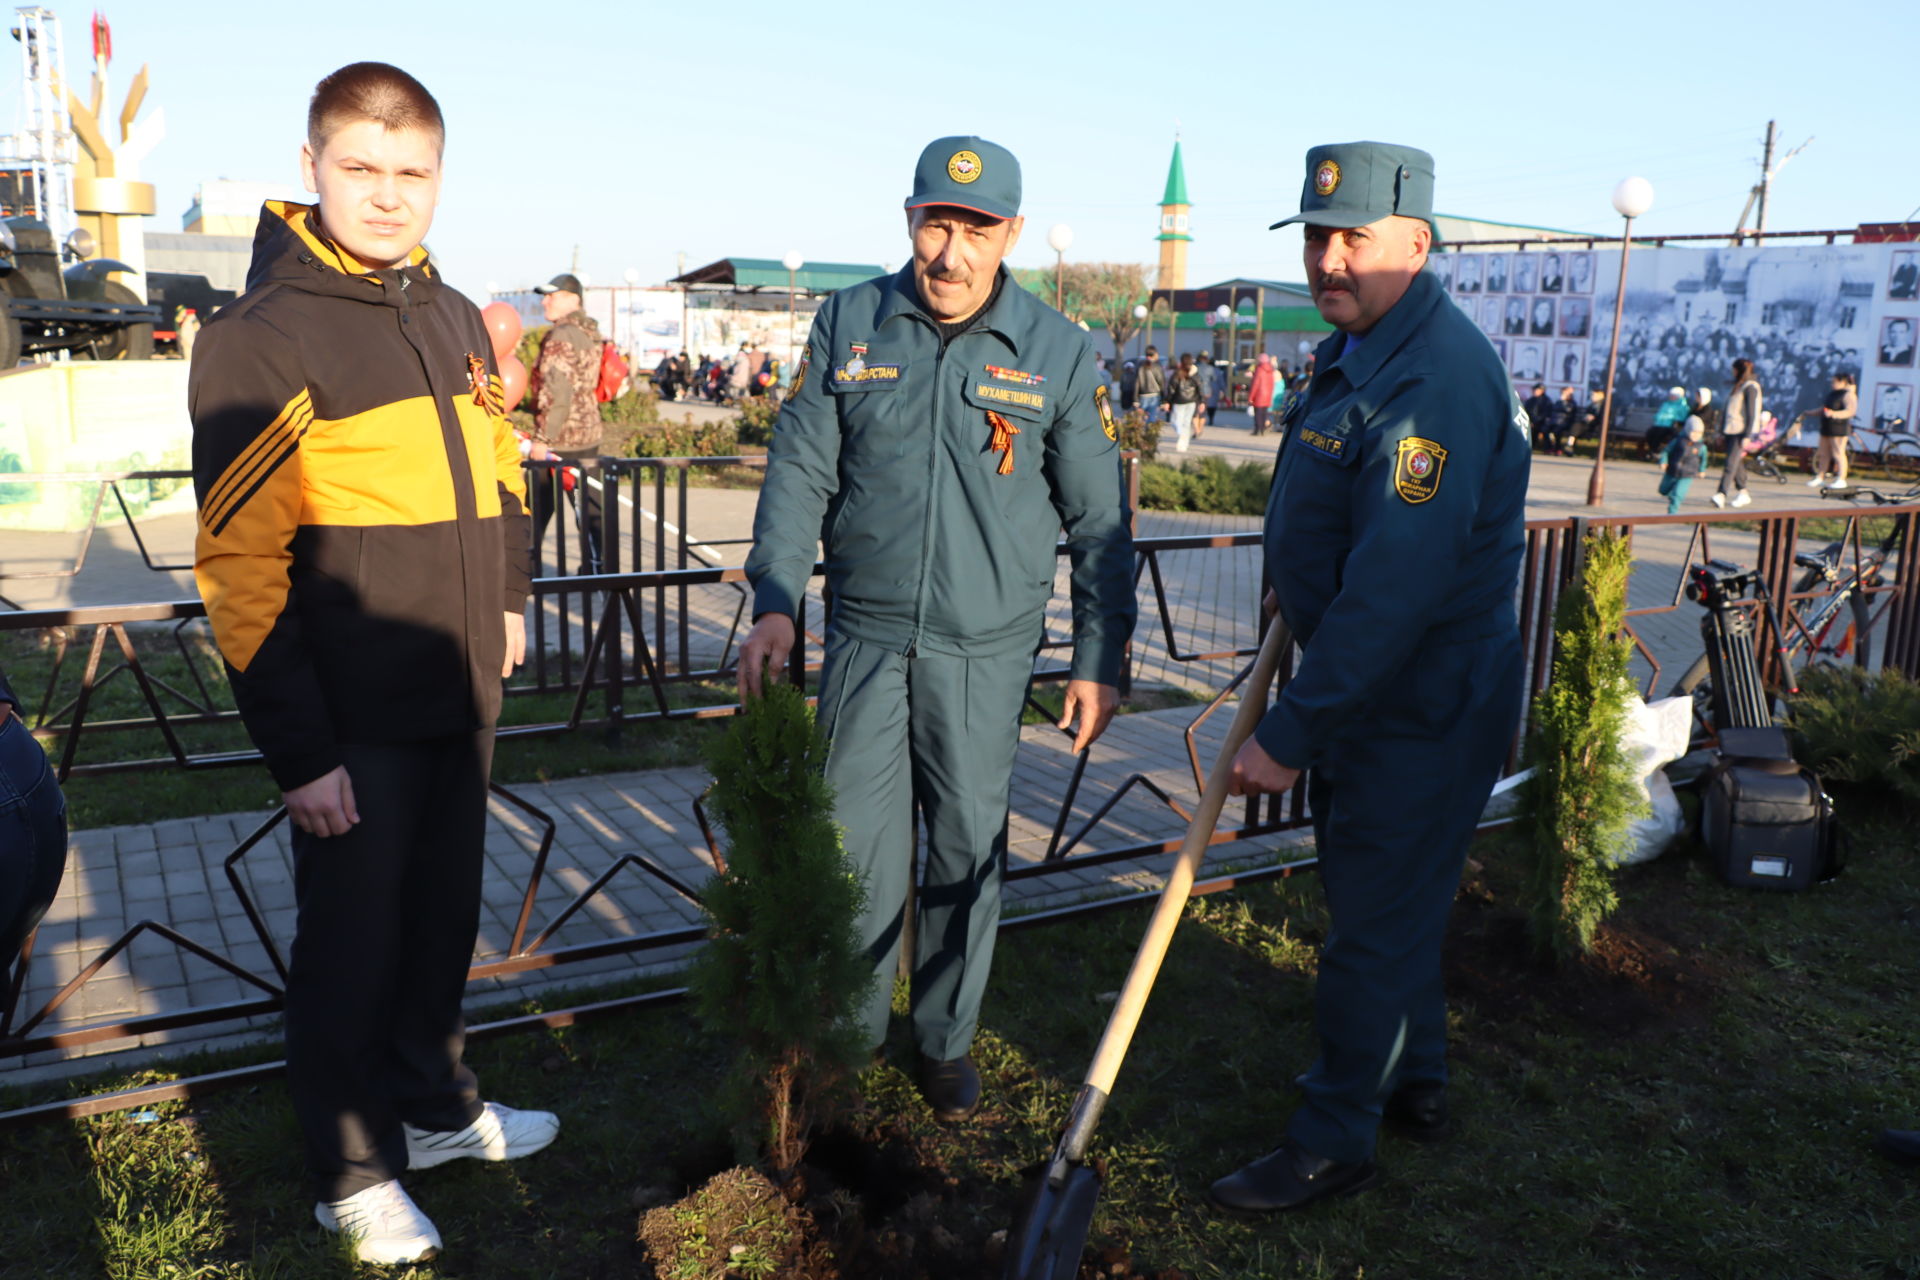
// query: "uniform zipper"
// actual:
[[926, 527]]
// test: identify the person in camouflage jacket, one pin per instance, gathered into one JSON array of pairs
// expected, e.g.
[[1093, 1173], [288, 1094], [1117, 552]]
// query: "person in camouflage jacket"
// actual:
[[567, 425]]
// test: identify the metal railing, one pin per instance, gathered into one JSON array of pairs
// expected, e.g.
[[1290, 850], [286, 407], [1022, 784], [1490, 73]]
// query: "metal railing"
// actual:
[[620, 643]]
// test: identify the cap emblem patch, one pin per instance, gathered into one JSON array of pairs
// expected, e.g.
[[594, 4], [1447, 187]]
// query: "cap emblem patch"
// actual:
[[964, 167], [1326, 178]]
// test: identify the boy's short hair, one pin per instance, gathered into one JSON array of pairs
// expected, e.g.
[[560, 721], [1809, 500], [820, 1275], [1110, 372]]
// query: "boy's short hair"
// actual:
[[373, 91]]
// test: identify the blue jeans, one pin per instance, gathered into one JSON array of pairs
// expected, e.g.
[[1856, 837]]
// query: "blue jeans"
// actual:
[[33, 836], [1150, 404]]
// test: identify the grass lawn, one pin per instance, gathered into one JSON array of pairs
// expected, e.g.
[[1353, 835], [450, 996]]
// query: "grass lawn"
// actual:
[[1699, 1101]]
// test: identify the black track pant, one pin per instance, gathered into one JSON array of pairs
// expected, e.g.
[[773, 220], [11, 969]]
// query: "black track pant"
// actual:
[[387, 918]]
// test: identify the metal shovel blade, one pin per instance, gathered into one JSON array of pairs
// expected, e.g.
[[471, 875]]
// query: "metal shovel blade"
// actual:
[[1054, 1229]]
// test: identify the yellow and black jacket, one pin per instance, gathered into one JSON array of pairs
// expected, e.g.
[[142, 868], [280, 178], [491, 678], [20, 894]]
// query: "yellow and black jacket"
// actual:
[[362, 513]]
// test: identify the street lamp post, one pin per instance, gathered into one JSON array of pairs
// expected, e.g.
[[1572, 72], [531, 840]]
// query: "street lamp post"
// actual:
[[1140, 314], [1059, 239], [1631, 198], [792, 262]]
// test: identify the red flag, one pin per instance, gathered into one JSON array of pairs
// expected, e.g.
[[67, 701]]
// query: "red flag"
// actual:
[[102, 39]]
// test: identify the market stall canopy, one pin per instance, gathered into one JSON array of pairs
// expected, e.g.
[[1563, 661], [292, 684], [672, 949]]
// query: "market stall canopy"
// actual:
[[750, 275]]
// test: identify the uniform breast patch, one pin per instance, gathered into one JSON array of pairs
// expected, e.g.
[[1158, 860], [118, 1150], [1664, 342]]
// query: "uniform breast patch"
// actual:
[[1009, 395], [800, 374], [1323, 443], [1107, 424], [855, 374], [1416, 469]]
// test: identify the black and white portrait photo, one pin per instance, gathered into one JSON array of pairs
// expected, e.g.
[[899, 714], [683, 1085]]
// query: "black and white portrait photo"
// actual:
[[1896, 342], [1500, 349], [1529, 361], [1576, 315], [1579, 273], [1892, 407], [1492, 310], [1526, 272], [1516, 316], [1466, 276], [1552, 274], [1468, 304], [1496, 273], [1903, 284], [1441, 264], [1570, 363], [1540, 322]]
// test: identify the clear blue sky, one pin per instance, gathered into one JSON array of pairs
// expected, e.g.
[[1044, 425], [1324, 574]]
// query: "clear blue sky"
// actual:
[[642, 130]]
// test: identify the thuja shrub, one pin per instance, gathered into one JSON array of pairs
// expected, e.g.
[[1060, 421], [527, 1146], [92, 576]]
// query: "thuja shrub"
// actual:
[[1860, 730], [1583, 796], [783, 974], [755, 423]]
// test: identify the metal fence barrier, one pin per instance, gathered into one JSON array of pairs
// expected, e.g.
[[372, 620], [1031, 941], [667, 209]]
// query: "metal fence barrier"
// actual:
[[629, 629]]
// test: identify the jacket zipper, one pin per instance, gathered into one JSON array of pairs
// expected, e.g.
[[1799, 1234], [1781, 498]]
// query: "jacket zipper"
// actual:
[[926, 527]]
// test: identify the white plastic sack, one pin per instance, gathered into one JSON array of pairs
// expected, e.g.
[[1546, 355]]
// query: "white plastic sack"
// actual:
[[1655, 736]]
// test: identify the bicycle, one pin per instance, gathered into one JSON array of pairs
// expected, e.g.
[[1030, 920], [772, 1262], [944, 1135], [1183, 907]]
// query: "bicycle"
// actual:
[[1827, 629], [1895, 442]]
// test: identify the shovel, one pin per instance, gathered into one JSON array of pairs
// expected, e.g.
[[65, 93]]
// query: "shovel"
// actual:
[[1047, 1243]]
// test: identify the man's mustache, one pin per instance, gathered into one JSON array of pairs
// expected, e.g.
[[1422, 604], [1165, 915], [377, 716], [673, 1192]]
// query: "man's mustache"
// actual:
[[1333, 280], [955, 276]]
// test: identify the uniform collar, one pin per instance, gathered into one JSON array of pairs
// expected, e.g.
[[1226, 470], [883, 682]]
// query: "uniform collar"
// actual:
[[1387, 337], [903, 298]]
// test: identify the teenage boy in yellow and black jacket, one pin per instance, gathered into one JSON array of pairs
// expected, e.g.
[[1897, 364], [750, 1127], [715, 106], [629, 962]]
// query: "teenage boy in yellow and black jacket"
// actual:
[[362, 552]]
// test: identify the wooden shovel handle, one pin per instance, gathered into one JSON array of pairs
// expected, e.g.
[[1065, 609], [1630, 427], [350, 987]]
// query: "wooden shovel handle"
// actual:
[[1173, 899]]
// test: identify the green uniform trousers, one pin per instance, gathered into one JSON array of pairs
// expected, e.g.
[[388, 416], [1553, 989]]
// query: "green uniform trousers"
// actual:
[[941, 730]]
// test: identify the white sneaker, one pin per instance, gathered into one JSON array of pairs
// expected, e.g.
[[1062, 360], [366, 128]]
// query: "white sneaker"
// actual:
[[501, 1133], [1741, 498], [1719, 499], [1836, 483], [1816, 482], [384, 1223]]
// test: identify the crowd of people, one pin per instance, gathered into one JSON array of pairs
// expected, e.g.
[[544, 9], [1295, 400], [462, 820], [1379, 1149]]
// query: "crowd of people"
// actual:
[[1188, 393], [749, 373]]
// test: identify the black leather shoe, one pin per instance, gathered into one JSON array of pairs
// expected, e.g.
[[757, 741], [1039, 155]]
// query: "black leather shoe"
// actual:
[[1291, 1177], [1418, 1111], [951, 1088], [1901, 1144]]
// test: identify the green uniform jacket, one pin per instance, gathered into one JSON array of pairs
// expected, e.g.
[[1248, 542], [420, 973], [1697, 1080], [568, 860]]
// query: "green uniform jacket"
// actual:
[[884, 452], [1396, 521]]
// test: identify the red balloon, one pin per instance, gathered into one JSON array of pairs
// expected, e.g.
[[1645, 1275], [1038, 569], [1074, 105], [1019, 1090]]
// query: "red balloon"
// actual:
[[503, 323], [514, 374]]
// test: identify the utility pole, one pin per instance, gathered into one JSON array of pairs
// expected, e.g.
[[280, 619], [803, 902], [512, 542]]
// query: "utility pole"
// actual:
[[1766, 180], [575, 268]]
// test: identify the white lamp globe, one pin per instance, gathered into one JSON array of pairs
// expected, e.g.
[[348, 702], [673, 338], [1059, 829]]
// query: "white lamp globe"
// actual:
[[1222, 314], [1139, 311], [1633, 197], [1060, 238], [793, 261], [632, 275], [1305, 346]]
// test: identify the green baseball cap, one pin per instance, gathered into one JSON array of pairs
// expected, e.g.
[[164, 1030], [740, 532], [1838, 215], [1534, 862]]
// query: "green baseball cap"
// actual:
[[1350, 184], [970, 173]]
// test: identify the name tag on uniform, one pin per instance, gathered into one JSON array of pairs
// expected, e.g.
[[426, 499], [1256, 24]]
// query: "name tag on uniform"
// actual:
[[1018, 396], [866, 375], [1323, 443]]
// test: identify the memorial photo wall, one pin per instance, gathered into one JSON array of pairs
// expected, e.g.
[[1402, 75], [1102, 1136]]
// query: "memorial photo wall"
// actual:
[[1801, 313]]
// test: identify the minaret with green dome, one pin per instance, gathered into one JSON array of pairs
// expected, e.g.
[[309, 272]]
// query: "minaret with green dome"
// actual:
[[1173, 226]]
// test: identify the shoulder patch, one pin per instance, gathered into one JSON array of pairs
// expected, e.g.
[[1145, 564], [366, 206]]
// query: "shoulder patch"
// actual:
[[1107, 424], [800, 374], [1416, 469]]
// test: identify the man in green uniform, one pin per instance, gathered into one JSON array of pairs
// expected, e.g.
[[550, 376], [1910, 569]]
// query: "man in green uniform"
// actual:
[[944, 428], [1394, 532]]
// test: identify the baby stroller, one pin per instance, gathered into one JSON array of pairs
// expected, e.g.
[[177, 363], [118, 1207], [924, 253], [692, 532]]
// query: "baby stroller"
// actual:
[[1763, 449]]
